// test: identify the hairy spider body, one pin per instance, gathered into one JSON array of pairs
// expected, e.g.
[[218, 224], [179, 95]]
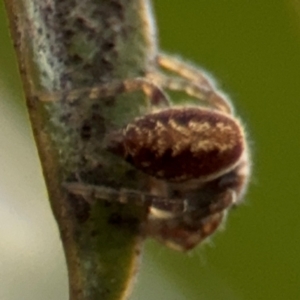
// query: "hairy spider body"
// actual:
[[196, 157], [200, 158]]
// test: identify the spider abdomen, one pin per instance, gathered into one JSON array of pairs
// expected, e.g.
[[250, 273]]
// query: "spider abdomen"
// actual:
[[181, 143]]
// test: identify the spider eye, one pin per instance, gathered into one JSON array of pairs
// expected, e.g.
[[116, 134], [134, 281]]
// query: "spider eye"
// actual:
[[179, 144]]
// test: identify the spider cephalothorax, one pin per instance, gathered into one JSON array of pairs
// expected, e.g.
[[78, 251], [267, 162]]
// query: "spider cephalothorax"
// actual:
[[195, 155]]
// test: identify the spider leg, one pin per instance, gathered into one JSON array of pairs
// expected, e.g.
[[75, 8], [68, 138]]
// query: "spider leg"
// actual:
[[167, 207], [184, 70], [161, 207], [181, 236], [185, 231], [177, 207], [170, 221], [192, 81], [151, 90]]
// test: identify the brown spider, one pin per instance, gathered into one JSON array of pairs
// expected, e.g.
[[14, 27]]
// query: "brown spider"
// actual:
[[196, 156]]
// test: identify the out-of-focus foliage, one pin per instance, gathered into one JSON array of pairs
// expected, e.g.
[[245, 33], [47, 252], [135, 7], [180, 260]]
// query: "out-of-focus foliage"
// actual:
[[253, 50]]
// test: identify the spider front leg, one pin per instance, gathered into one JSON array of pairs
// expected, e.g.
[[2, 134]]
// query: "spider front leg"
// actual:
[[156, 95], [190, 80]]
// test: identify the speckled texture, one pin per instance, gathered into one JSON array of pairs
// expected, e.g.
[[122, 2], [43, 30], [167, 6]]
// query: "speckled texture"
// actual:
[[65, 45], [83, 41], [81, 47], [179, 144]]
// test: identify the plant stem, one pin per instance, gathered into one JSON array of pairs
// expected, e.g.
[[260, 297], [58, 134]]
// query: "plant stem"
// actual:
[[69, 44]]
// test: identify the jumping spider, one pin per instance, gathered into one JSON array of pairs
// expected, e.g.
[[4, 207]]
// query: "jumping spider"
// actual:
[[195, 155]]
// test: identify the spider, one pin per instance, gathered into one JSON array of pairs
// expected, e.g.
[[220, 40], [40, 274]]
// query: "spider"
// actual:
[[196, 155]]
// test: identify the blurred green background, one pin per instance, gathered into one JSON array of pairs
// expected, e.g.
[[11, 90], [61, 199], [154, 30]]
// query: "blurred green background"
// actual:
[[253, 50]]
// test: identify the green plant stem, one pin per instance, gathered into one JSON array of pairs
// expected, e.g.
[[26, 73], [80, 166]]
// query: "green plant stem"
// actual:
[[69, 44]]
